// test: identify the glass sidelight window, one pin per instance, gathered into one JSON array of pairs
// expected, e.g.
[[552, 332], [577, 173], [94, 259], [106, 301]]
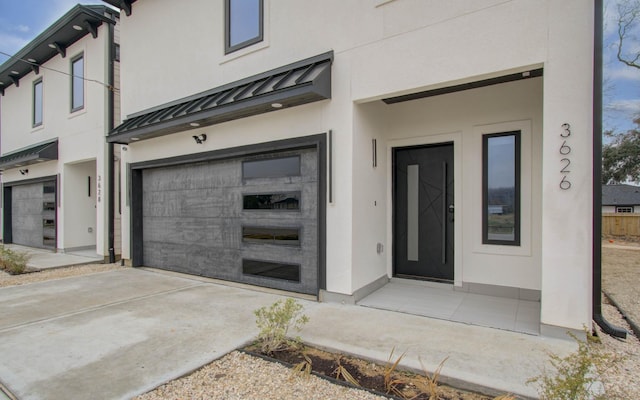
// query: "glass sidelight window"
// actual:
[[501, 188]]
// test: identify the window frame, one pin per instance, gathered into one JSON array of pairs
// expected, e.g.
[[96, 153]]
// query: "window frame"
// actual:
[[518, 187], [81, 82], [624, 209], [228, 47], [35, 104]]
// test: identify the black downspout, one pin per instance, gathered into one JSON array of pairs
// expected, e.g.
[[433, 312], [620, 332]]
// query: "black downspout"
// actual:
[[110, 158], [597, 179]]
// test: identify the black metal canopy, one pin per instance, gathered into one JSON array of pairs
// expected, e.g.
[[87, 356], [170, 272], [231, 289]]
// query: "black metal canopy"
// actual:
[[295, 84], [37, 153], [79, 21]]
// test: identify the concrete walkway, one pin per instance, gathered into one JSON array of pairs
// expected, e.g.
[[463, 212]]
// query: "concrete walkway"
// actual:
[[118, 334], [46, 259]]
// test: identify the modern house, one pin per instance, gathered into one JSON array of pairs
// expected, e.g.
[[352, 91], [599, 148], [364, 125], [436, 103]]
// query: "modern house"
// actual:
[[57, 104], [326, 147], [620, 199]]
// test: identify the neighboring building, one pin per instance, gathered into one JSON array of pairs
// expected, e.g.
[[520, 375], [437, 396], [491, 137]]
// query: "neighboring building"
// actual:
[[322, 147], [620, 199], [56, 108]]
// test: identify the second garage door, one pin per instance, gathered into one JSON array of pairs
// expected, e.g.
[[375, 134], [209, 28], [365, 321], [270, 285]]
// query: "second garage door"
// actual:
[[252, 219]]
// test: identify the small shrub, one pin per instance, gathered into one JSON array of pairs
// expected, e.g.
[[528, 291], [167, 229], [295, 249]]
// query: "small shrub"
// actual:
[[576, 376], [276, 321], [14, 262]]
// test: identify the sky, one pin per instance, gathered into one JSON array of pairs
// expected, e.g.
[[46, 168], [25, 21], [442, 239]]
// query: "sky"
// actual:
[[22, 20]]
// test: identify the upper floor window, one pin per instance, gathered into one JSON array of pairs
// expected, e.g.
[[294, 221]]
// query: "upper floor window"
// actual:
[[626, 209], [77, 83], [37, 103], [501, 188], [243, 23]]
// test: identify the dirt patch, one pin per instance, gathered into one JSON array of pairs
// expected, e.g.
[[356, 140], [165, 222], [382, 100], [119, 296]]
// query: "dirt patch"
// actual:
[[399, 383], [621, 276]]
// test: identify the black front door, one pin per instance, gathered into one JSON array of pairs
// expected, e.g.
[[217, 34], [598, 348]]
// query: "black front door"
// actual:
[[423, 212]]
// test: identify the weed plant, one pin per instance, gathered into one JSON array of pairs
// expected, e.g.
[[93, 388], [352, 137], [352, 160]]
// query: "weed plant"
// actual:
[[576, 376], [276, 321], [14, 262]]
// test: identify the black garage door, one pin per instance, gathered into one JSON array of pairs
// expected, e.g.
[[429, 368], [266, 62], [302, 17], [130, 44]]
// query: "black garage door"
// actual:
[[252, 219], [32, 214]]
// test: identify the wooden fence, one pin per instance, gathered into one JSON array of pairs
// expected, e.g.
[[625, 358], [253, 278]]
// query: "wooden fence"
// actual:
[[620, 224]]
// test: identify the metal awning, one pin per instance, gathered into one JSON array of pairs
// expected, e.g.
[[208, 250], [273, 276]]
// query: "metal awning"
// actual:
[[30, 155], [295, 84]]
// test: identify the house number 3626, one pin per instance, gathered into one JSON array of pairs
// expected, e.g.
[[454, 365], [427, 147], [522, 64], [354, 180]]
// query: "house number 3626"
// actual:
[[565, 162]]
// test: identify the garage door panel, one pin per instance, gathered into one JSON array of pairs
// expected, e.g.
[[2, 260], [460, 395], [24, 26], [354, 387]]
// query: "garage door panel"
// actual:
[[185, 230], [193, 219], [190, 203], [31, 208]]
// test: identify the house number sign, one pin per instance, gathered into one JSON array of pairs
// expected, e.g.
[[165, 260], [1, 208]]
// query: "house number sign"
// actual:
[[564, 151]]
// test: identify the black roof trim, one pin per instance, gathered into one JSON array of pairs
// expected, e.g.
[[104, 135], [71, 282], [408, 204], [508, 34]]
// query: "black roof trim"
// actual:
[[465, 86], [37, 153], [295, 84], [124, 5], [54, 40]]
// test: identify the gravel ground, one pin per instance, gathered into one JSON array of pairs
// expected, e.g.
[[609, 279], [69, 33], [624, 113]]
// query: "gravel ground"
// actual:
[[55, 273], [240, 376], [621, 276]]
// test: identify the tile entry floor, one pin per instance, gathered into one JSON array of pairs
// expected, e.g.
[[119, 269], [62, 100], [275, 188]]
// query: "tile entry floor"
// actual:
[[442, 302]]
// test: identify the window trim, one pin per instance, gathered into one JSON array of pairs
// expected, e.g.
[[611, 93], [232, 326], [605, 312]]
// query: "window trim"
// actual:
[[485, 193], [228, 48], [35, 123], [625, 209], [73, 78]]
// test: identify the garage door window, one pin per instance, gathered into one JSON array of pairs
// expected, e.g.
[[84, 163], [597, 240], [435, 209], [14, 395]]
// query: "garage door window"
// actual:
[[279, 236], [271, 168], [271, 201], [268, 269]]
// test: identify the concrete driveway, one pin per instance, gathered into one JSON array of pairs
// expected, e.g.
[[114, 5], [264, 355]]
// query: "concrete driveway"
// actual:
[[117, 334]]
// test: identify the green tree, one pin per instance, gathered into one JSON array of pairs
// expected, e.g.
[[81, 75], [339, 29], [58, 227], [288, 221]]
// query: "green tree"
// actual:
[[621, 156]]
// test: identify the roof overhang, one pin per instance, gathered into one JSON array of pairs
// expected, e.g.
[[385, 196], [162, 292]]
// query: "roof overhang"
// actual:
[[35, 154], [124, 5], [79, 21], [295, 84]]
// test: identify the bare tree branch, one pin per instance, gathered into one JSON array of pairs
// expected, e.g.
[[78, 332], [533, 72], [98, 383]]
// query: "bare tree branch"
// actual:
[[628, 17]]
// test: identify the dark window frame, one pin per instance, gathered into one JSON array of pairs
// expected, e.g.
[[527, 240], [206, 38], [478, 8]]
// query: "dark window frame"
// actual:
[[81, 82], [298, 172], [228, 47], [485, 192], [35, 104], [298, 266]]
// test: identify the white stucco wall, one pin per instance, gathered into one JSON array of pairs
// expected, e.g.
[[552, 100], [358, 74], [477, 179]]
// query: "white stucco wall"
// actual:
[[463, 118], [384, 49], [80, 135]]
